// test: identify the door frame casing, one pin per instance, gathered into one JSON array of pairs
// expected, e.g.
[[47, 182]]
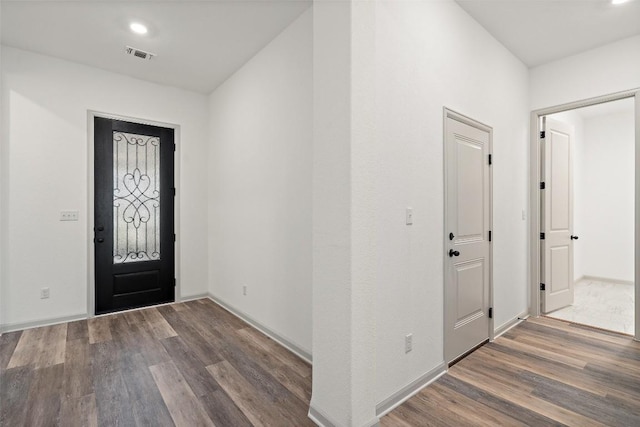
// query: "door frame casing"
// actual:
[[449, 113], [534, 194], [91, 255]]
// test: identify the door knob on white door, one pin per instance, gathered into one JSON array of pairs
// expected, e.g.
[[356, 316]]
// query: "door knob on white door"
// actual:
[[574, 237], [453, 253]]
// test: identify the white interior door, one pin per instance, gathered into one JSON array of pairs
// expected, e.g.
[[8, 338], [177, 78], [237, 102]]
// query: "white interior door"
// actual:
[[467, 235], [557, 216]]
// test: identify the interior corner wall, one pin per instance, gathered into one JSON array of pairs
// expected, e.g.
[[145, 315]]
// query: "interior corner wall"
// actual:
[[45, 117], [612, 68], [606, 198], [260, 181], [432, 55]]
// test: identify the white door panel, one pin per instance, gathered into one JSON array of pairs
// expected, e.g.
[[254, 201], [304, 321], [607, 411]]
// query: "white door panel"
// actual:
[[557, 216], [467, 225]]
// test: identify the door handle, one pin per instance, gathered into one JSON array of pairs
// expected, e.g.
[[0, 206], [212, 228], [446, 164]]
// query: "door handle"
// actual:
[[453, 253], [574, 237], [100, 240]]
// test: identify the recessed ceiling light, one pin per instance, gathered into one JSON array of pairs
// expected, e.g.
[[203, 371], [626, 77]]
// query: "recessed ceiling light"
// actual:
[[138, 28], [618, 1]]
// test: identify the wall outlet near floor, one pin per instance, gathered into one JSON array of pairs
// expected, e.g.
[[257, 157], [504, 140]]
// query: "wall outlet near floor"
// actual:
[[44, 293], [244, 290], [408, 343]]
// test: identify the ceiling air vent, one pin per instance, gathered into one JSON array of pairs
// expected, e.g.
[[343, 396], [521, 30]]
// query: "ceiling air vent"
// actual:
[[139, 53]]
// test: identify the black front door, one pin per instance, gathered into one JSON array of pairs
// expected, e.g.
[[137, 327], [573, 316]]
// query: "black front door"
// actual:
[[134, 202]]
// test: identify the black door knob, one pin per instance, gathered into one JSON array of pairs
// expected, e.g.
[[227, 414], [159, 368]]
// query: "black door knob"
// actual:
[[453, 253], [574, 237], [100, 240]]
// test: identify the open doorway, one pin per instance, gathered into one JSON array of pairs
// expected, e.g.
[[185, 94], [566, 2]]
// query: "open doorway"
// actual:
[[584, 212], [593, 182]]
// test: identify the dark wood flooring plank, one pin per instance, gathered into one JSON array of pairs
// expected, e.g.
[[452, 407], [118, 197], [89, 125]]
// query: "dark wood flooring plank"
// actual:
[[191, 367], [149, 408], [222, 410], [78, 330], [184, 406], [8, 343], [45, 396], [113, 404], [78, 379], [246, 396], [79, 411], [185, 328], [15, 384]]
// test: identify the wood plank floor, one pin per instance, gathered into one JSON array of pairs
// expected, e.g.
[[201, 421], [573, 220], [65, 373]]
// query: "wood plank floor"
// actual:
[[188, 364], [194, 364], [543, 372]]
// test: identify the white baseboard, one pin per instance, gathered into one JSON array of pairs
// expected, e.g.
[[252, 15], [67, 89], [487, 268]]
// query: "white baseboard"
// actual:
[[510, 324], [318, 417], [408, 391], [18, 326], [194, 297], [286, 343], [605, 279]]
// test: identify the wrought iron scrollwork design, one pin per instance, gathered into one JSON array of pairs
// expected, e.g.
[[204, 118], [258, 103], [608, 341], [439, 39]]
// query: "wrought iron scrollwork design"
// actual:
[[136, 198]]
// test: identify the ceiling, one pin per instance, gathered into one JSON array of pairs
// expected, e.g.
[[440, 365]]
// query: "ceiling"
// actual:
[[198, 44], [540, 31]]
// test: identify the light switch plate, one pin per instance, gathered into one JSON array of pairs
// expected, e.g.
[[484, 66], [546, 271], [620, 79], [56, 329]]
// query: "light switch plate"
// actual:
[[69, 215]]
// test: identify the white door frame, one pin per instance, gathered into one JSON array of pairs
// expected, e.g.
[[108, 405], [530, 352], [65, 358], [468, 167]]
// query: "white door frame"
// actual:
[[91, 255], [534, 195], [449, 113]]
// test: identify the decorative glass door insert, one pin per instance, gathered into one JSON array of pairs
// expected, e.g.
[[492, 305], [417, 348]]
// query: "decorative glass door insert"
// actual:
[[136, 197]]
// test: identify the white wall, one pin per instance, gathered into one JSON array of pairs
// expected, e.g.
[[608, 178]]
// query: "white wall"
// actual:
[[431, 55], [612, 68], [45, 104], [606, 198], [260, 165]]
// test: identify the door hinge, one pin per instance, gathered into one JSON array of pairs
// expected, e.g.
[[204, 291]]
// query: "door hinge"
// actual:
[[174, 282], [490, 159], [490, 235], [490, 312], [543, 185], [174, 146], [174, 190], [542, 134], [174, 237], [542, 287], [541, 236]]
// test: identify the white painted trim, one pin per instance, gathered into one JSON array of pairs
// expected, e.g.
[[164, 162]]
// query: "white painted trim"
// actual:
[[322, 420], [605, 279], [91, 115], [283, 341], [18, 326], [500, 330], [410, 390], [449, 113], [195, 297], [534, 198]]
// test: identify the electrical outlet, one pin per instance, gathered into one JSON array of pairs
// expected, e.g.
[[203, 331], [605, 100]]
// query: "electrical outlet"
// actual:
[[69, 215], [408, 343], [409, 216], [44, 293], [244, 290]]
